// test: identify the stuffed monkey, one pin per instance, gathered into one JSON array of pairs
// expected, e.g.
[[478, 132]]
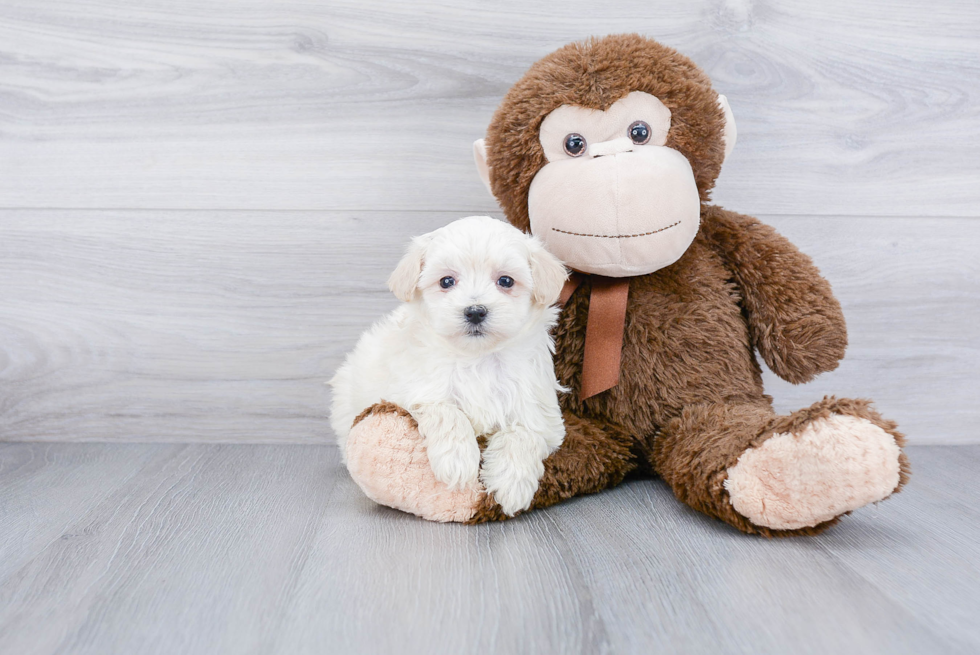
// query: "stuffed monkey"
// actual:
[[608, 150]]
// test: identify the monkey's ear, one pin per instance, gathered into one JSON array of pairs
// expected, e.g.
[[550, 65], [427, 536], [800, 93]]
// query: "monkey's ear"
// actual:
[[404, 280], [480, 155], [730, 133], [548, 274]]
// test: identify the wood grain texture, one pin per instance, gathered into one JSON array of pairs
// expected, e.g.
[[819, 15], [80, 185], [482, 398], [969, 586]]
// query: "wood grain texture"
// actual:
[[911, 296], [61, 485], [272, 549], [220, 324], [843, 108], [224, 326]]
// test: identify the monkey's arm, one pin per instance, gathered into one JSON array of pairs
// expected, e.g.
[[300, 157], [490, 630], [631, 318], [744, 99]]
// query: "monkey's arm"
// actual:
[[795, 321]]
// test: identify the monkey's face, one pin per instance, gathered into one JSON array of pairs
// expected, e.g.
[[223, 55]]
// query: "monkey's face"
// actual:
[[605, 149], [613, 199]]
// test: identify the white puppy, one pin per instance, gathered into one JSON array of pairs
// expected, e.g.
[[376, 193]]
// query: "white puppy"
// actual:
[[468, 354]]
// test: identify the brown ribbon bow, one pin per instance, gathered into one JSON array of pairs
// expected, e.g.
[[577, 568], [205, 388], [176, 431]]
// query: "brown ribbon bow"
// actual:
[[603, 332]]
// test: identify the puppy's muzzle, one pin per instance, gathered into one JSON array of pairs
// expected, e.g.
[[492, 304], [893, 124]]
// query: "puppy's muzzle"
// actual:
[[475, 314]]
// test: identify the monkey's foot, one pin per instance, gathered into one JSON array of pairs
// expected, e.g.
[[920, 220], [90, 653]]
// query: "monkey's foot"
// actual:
[[816, 469], [386, 458]]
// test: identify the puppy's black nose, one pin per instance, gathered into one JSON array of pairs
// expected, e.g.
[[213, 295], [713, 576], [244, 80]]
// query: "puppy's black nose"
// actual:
[[475, 314]]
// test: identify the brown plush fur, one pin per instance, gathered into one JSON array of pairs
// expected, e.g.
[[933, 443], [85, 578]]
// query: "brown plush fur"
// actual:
[[694, 450], [690, 397], [385, 407]]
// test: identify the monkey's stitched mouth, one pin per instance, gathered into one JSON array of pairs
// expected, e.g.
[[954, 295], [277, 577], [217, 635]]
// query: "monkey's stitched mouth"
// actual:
[[617, 236]]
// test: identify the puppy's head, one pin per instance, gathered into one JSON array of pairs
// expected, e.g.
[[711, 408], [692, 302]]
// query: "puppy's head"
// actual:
[[478, 281]]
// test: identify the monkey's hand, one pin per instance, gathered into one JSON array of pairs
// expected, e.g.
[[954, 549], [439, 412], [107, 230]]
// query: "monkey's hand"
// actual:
[[794, 319], [450, 443], [798, 350], [513, 463]]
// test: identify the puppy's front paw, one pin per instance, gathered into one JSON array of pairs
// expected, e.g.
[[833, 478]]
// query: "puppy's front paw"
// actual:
[[450, 444], [512, 489], [513, 464], [455, 460]]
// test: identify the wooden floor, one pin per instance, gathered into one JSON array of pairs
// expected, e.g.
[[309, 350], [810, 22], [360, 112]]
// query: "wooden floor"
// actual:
[[196, 548]]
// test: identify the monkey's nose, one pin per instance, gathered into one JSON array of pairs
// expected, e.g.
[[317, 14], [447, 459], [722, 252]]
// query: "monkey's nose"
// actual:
[[612, 147], [475, 314]]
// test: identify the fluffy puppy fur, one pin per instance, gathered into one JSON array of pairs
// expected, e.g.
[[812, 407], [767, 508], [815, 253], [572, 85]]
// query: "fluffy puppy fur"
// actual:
[[462, 378]]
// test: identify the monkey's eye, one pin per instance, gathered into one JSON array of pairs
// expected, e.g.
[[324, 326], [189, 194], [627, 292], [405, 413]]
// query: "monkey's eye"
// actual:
[[575, 144], [639, 132], [506, 281], [447, 282]]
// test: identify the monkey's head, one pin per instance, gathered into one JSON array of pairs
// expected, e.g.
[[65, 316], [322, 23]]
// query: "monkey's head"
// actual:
[[605, 150]]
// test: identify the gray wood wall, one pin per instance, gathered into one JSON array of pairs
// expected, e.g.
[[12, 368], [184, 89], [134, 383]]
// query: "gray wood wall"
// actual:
[[200, 200]]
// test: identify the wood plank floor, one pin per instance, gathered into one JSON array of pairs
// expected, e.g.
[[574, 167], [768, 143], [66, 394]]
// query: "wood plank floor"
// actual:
[[168, 548]]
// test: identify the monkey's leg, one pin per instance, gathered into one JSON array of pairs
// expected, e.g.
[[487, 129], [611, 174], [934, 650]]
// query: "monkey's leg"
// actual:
[[386, 458], [780, 475], [594, 456]]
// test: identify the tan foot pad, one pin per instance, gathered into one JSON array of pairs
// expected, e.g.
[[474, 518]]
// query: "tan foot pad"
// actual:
[[834, 465], [386, 458]]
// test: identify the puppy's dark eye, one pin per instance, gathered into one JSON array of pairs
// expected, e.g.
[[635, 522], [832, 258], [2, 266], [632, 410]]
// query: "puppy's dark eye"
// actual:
[[447, 282], [506, 281], [639, 132], [574, 144]]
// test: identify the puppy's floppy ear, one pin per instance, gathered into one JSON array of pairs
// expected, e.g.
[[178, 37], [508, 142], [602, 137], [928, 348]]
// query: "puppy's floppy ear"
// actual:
[[404, 280], [548, 274]]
